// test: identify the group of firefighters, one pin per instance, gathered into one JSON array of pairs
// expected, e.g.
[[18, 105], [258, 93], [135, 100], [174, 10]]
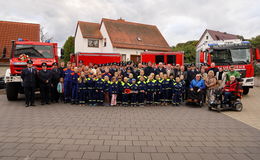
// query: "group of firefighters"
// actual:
[[123, 83]]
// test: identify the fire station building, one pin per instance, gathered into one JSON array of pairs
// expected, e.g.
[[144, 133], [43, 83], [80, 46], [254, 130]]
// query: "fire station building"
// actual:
[[119, 36]]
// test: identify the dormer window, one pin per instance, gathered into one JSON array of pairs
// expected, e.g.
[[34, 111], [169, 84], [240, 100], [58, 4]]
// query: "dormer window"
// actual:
[[139, 38], [93, 43]]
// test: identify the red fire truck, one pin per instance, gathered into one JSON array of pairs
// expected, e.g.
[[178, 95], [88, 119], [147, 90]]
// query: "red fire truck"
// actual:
[[96, 58], [154, 57], [165, 57], [240, 54], [23, 50]]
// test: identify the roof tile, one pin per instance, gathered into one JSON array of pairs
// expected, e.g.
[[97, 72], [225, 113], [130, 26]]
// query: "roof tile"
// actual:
[[14, 30], [132, 35]]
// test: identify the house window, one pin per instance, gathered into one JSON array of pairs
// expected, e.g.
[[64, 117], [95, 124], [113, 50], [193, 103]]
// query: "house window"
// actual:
[[123, 57], [207, 37], [105, 42], [93, 43]]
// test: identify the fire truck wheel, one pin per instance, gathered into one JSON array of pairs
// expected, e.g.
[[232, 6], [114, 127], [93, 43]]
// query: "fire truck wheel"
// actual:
[[11, 91], [245, 90]]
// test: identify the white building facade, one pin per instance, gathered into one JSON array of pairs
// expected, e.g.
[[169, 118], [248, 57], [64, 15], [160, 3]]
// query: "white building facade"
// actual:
[[118, 36]]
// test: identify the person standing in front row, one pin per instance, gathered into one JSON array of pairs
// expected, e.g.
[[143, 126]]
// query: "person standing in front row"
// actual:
[[67, 83], [82, 89], [60, 89], [56, 74], [113, 91], [45, 77], [28, 76]]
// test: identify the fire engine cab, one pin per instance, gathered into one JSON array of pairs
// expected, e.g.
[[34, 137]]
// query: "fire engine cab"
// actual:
[[240, 54], [22, 51]]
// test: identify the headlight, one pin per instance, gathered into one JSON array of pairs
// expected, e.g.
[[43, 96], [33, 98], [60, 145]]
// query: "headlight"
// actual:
[[250, 80]]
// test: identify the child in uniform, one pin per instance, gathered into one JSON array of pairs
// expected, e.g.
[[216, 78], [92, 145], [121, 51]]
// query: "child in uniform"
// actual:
[[113, 90], [125, 93], [82, 89], [60, 89], [134, 92], [157, 90], [150, 83], [141, 90], [120, 90], [177, 91], [91, 89], [99, 86], [165, 88]]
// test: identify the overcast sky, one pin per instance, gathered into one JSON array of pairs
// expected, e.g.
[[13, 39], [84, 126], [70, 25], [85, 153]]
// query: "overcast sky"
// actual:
[[178, 20]]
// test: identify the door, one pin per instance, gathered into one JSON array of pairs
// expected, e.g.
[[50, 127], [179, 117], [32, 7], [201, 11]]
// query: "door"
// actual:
[[135, 58]]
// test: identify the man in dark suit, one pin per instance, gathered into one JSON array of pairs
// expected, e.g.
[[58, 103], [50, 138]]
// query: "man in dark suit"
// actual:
[[56, 74], [149, 69], [45, 77], [160, 69], [28, 76]]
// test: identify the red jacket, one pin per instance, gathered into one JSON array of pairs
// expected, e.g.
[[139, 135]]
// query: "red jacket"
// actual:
[[231, 86]]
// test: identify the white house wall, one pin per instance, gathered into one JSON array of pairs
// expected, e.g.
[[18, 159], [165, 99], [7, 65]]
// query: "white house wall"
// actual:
[[109, 47], [128, 52], [204, 40], [81, 44]]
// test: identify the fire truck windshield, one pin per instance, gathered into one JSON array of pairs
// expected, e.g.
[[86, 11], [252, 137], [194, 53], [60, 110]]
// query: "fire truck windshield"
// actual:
[[34, 51], [230, 56]]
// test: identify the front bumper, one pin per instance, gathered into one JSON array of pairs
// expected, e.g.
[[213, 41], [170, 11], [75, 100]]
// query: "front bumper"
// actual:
[[248, 82], [9, 78]]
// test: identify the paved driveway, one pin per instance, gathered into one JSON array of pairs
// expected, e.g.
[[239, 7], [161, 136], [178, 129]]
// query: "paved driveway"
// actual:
[[251, 111], [60, 131]]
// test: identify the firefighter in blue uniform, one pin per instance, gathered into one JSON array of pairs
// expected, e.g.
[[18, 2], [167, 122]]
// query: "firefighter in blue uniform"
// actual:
[[125, 93], [170, 93], [113, 91], [141, 74], [106, 91], [157, 90], [74, 85], [29, 76], [177, 91], [165, 89], [45, 77], [142, 90], [183, 87], [150, 84], [134, 92], [91, 90], [99, 86], [67, 83], [82, 89], [120, 90]]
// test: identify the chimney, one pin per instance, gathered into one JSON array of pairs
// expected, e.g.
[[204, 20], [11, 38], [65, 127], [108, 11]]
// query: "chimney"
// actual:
[[121, 19]]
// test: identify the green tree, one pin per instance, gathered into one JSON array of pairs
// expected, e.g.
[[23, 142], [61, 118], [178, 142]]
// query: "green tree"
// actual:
[[189, 49], [255, 41], [68, 48]]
